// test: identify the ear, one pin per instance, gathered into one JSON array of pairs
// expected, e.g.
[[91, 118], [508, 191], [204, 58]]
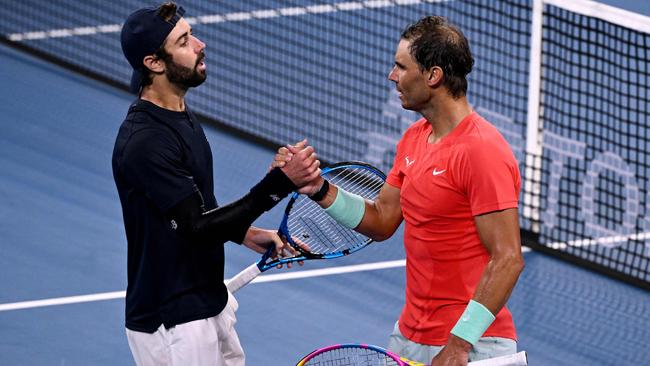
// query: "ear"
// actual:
[[154, 64], [435, 76]]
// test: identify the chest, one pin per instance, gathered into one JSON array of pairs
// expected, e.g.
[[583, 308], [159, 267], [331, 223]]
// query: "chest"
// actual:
[[195, 147], [430, 189]]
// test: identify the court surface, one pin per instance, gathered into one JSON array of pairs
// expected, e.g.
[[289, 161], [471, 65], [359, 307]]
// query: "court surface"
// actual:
[[61, 235]]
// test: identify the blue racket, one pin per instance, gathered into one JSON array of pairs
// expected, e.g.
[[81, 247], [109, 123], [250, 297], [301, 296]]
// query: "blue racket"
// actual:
[[312, 232]]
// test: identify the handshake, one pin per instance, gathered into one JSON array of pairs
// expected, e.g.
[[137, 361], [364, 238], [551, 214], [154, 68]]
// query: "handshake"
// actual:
[[301, 165]]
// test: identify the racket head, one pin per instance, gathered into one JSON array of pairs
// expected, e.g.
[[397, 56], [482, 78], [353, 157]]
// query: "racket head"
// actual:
[[312, 232], [354, 354]]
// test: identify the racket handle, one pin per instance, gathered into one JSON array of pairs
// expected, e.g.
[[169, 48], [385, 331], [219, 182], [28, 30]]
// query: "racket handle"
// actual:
[[243, 278], [517, 359]]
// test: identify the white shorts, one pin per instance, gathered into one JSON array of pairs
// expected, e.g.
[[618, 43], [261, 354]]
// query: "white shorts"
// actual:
[[210, 342]]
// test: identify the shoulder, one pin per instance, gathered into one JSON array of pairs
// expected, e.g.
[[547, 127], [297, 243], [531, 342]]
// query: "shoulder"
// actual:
[[413, 131], [417, 127], [482, 144], [138, 141], [478, 129], [480, 136]]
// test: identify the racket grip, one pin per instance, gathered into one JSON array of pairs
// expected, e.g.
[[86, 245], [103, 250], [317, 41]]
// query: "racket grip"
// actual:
[[517, 359], [243, 278]]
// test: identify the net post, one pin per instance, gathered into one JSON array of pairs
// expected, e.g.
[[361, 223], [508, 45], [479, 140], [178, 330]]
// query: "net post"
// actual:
[[533, 166]]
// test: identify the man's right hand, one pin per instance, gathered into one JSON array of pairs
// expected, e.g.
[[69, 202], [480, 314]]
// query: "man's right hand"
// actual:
[[302, 167], [284, 157]]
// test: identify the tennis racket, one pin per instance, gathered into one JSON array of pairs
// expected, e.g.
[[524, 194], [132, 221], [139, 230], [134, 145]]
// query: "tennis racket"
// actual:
[[311, 231], [369, 355]]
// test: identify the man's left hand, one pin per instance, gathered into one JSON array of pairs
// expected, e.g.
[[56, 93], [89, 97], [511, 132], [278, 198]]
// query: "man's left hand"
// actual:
[[455, 353], [260, 240]]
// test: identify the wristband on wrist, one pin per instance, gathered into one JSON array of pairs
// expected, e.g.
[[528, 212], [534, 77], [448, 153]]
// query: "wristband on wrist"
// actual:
[[348, 209], [473, 323], [272, 189], [318, 196]]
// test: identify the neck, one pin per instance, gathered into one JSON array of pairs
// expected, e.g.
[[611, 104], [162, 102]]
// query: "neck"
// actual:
[[445, 115], [165, 95]]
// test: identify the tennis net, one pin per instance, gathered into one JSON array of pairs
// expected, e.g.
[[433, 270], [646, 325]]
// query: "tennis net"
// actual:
[[567, 87], [589, 104]]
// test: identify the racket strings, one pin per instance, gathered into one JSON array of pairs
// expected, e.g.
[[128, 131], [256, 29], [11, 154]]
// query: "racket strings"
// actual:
[[309, 223], [351, 357], [366, 185], [327, 237], [321, 232]]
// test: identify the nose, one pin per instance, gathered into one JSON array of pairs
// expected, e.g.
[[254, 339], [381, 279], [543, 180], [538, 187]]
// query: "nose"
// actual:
[[198, 46], [392, 75]]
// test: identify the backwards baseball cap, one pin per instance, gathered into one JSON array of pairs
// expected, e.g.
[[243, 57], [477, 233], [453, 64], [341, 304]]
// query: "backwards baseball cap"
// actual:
[[143, 33]]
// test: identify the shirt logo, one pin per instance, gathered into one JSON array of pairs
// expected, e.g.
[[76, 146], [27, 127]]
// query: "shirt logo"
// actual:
[[275, 197], [408, 161], [438, 172], [174, 225]]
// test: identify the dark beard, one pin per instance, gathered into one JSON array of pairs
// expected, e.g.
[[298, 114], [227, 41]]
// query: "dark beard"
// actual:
[[185, 77]]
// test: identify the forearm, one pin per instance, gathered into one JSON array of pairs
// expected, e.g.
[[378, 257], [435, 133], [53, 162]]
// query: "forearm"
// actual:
[[380, 218], [228, 223], [250, 239], [498, 281], [499, 234], [232, 221], [492, 292], [375, 224]]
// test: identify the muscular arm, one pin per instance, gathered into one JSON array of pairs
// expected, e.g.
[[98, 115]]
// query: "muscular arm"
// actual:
[[499, 233], [382, 216]]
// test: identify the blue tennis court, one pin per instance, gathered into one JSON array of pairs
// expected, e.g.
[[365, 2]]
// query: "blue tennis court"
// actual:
[[62, 244]]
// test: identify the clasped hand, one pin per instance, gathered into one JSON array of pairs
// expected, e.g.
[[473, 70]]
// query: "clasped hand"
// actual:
[[294, 157]]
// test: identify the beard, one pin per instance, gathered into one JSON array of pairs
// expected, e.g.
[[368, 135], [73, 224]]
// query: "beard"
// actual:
[[185, 77]]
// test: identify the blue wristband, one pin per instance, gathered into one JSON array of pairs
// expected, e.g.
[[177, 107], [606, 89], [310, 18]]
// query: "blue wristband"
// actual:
[[348, 209], [473, 323]]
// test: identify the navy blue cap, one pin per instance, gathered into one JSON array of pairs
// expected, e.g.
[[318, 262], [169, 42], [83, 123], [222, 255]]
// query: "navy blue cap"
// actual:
[[142, 34]]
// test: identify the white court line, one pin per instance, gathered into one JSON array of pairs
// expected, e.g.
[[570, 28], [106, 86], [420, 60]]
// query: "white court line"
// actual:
[[227, 17], [62, 301], [606, 241], [263, 278]]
